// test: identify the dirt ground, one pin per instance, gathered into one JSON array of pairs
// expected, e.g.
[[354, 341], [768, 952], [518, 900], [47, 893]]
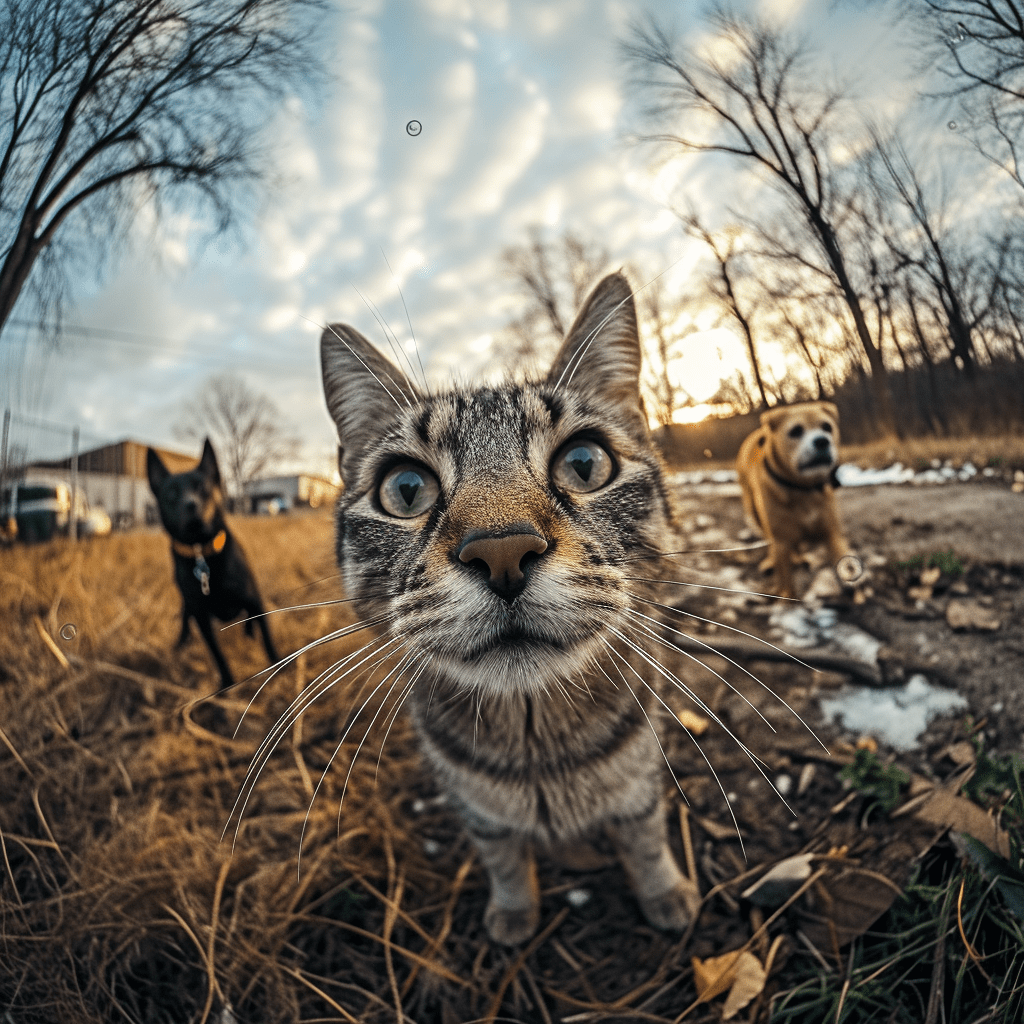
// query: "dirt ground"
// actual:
[[974, 532]]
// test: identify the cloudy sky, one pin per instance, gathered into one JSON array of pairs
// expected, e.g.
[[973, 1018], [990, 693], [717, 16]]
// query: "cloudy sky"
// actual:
[[525, 122]]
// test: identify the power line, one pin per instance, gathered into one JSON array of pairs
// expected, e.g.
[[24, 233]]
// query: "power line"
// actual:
[[155, 343]]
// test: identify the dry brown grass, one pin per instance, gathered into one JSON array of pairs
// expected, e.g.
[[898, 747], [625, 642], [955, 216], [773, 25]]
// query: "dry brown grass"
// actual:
[[119, 900]]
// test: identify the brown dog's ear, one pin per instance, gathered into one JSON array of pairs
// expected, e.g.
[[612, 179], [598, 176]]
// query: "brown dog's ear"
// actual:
[[208, 463], [156, 471], [773, 416]]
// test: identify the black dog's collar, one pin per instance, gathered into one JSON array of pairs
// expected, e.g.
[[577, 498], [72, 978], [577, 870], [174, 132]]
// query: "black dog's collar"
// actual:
[[832, 481], [197, 551]]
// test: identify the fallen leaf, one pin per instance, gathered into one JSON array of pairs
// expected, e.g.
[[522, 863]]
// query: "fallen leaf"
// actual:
[[967, 614], [749, 983], [840, 907], [961, 815], [715, 975]]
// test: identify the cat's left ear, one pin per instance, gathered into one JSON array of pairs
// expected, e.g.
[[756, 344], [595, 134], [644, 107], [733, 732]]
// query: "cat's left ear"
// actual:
[[601, 353], [364, 390]]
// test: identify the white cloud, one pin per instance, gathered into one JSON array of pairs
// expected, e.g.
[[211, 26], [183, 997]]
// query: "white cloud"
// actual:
[[594, 107], [518, 142]]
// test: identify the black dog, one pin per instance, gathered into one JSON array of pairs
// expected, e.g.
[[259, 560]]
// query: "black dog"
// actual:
[[209, 565]]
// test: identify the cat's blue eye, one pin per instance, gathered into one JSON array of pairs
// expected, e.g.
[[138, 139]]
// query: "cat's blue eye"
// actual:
[[581, 466], [408, 491]]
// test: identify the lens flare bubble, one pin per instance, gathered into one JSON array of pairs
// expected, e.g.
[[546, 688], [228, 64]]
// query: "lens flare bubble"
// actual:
[[68, 631], [414, 127], [849, 568]]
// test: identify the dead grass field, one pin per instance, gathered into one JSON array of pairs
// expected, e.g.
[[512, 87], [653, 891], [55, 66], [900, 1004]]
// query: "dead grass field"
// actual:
[[119, 899]]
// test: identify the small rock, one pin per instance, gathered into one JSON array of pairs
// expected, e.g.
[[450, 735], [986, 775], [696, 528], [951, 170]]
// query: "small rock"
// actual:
[[807, 774], [959, 588], [960, 753], [929, 577], [783, 784], [577, 898], [965, 614], [823, 587], [919, 593]]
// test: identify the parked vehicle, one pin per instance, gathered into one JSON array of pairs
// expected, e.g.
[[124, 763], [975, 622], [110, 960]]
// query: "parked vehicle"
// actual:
[[39, 511]]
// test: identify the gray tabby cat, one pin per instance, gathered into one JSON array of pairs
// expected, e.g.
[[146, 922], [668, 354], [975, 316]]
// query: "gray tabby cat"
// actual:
[[493, 530]]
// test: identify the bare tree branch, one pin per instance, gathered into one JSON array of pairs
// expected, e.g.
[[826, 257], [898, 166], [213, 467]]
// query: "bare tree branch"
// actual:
[[105, 104]]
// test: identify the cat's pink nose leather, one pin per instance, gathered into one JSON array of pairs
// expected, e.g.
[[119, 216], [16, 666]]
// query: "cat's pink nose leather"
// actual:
[[503, 556]]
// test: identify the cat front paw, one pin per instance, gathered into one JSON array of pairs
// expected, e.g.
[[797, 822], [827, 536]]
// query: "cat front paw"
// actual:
[[511, 927], [672, 910]]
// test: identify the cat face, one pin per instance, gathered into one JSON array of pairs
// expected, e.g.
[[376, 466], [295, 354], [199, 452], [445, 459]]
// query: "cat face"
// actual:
[[493, 528]]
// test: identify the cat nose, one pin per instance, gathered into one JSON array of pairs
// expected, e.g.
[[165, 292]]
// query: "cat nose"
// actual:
[[504, 557]]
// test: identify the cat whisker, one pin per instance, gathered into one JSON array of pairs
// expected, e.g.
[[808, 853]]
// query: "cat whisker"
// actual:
[[366, 366], [341, 742], [577, 357], [289, 608], [301, 703], [732, 629], [648, 631], [280, 728], [687, 551], [643, 711], [673, 678], [396, 671], [394, 716], [389, 334], [336, 634], [412, 333], [693, 739], [706, 586], [736, 664]]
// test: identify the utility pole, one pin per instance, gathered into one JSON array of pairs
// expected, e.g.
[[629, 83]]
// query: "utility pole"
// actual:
[[73, 524]]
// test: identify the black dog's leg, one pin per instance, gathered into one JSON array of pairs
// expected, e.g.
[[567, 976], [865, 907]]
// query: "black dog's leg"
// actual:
[[183, 635], [255, 610], [206, 628]]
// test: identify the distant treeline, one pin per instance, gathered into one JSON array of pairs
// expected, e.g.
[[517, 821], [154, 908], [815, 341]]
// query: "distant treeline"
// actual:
[[932, 400]]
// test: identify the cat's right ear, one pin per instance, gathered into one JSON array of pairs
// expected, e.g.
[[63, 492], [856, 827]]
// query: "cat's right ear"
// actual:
[[362, 388]]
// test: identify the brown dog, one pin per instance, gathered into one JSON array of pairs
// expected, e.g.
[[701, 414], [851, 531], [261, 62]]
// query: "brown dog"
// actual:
[[786, 476]]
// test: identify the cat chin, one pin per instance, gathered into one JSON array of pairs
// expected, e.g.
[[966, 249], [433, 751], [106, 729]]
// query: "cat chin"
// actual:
[[527, 667]]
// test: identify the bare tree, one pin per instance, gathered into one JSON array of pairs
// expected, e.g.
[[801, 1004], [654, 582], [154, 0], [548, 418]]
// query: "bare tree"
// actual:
[[105, 104], [663, 323], [724, 286], [980, 44], [756, 102], [244, 426], [554, 278]]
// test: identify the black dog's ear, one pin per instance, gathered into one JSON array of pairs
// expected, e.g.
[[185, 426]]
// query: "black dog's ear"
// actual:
[[208, 463], [156, 471]]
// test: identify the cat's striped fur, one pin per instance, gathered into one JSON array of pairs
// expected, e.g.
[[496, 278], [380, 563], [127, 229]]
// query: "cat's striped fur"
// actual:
[[478, 524]]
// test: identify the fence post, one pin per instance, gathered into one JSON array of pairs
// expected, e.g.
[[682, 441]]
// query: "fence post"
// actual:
[[3, 448], [73, 524]]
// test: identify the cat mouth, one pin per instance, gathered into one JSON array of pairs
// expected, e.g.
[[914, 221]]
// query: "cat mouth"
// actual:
[[512, 642]]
